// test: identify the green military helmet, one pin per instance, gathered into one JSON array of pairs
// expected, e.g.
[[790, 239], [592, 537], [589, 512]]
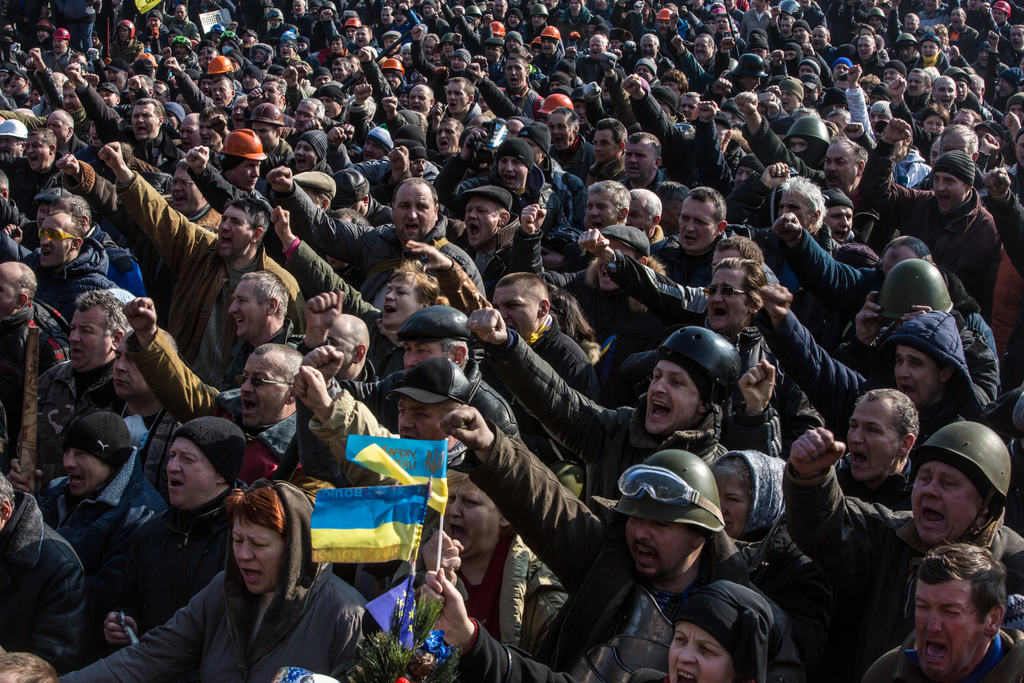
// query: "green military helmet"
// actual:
[[811, 130], [977, 452], [538, 10], [913, 282], [1016, 98], [448, 38], [473, 10], [876, 12], [906, 39], [661, 475]]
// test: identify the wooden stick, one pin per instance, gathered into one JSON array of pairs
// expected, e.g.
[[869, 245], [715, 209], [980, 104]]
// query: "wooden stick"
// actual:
[[30, 410]]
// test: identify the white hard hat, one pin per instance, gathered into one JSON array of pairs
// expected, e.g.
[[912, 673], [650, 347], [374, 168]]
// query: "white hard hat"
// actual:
[[13, 129]]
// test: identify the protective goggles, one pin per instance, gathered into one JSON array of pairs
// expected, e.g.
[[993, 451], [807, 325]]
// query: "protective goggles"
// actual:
[[664, 486], [55, 235]]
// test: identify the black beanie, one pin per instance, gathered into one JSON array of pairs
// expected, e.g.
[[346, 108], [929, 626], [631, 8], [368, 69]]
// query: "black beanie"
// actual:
[[229, 161], [102, 434], [517, 148], [317, 139], [957, 164], [752, 162], [221, 441], [410, 132], [537, 132]]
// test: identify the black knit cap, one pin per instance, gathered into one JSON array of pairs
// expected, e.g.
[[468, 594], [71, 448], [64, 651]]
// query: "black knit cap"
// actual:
[[752, 162], [957, 164], [518, 149], [221, 441], [317, 139], [102, 434], [537, 132]]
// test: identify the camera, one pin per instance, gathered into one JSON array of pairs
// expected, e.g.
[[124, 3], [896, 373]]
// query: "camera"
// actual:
[[483, 150]]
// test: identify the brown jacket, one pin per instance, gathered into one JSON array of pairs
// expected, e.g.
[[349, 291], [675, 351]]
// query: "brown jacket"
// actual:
[[191, 254], [895, 667]]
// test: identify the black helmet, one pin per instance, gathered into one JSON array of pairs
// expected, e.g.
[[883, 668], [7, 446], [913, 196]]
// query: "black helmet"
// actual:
[[352, 188], [811, 130], [677, 474], [978, 452], [791, 7], [750, 65], [913, 282], [712, 353]]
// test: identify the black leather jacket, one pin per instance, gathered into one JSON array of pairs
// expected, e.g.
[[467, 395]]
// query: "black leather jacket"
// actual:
[[43, 598]]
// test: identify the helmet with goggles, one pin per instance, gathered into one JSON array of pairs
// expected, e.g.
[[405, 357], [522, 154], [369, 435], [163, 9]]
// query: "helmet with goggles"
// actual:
[[672, 486]]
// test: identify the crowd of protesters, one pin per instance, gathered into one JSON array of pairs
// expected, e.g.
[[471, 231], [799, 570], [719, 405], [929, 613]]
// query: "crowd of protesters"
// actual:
[[718, 305]]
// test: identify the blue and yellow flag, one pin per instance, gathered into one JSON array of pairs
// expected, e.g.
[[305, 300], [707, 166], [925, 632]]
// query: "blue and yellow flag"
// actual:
[[409, 461], [372, 524]]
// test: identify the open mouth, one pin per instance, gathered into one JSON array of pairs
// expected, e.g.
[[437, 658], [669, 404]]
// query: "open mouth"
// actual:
[[75, 480], [685, 676], [718, 311], [934, 652], [658, 409], [248, 404], [644, 555], [457, 531], [251, 575]]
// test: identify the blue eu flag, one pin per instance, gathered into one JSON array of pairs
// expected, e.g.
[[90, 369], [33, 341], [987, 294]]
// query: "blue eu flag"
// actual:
[[400, 599]]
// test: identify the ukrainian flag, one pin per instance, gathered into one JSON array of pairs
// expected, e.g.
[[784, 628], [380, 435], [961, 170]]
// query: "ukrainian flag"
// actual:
[[408, 461], [372, 524]]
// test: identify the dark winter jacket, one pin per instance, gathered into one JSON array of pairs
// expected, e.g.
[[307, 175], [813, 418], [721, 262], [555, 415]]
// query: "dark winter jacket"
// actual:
[[173, 556], [965, 239], [313, 621], [44, 604], [610, 441], [834, 388], [873, 553], [53, 349], [588, 554], [100, 529], [59, 289], [377, 251]]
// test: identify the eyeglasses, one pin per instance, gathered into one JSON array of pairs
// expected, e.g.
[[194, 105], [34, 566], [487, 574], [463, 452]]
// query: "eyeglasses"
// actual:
[[726, 290], [664, 486], [258, 382], [53, 234]]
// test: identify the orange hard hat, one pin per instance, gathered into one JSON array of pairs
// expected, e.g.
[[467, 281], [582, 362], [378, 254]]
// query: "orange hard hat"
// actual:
[[535, 42], [497, 28], [551, 32], [392, 64], [353, 22], [220, 65], [553, 102], [665, 14], [243, 142]]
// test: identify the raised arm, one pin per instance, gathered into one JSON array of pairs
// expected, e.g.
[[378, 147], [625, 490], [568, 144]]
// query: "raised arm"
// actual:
[[175, 386], [555, 524], [572, 419]]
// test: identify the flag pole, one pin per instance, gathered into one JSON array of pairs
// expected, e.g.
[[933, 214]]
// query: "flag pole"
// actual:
[[440, 538]]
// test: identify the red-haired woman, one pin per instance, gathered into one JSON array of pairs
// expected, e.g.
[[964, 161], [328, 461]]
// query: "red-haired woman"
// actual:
[[272, 607]]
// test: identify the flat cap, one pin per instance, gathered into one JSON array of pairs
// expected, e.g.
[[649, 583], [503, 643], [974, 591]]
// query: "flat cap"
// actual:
[[435, 323], [317, 181], [498, 195], [634, 238]]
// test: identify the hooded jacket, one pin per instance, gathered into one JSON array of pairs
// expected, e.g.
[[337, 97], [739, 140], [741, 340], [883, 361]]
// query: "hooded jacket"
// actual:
[[834, 388], [42, 590], [313, 621], [60, 288]]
